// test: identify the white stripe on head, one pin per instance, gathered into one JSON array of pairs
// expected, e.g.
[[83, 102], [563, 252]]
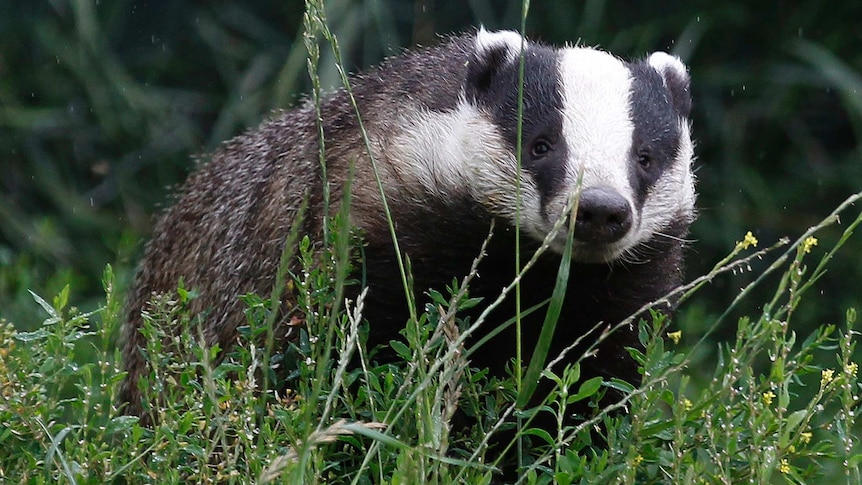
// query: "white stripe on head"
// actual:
[[673, 195], [597, 125]]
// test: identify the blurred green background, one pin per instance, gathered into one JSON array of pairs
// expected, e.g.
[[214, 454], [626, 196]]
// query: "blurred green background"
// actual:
[[103, 105]]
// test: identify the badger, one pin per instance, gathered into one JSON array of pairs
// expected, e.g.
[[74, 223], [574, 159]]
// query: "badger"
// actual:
[[442, 127]]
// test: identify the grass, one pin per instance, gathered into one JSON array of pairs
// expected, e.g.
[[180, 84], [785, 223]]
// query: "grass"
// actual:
[[775, 410], [778, 407]]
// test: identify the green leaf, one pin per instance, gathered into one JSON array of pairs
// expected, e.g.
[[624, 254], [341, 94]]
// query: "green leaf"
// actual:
[[468, 303], [587, 389], [794, 419], [120, 423], [54, 314], [401, 349], [376, 435], [195, 450], [437, 297], [563, 478], [637, 355], [108, 278], [61, 300], [668, 397], [620, 385], [54, 449], [658, 429], [540, 433], [31, 336]]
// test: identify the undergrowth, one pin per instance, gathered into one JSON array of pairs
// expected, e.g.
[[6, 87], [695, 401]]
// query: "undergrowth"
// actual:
[[775, 411], [779, 408]]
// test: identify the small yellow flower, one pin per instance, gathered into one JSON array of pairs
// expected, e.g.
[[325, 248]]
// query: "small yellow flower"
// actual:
[[826, 376], [805, 437], [784, 467], [809, 243], [852, 369], [768, 396], [686, 404], [637, 460], [5, 350], [748, 241], [675, 336]]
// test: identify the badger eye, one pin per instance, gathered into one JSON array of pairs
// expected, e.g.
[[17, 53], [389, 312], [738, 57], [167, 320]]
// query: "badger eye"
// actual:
[[645, 161], [540, 148]]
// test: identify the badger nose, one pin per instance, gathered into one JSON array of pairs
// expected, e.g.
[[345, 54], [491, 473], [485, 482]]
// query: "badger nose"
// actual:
[[604, 216]]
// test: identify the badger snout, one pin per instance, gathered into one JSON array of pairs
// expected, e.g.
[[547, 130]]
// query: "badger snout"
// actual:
[[604, 216]]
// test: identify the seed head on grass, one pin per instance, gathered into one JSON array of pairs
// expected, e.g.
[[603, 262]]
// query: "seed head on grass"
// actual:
[[325, 435]]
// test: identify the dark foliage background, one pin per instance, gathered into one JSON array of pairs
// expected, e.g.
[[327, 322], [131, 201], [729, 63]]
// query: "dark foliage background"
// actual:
[[103, 104]]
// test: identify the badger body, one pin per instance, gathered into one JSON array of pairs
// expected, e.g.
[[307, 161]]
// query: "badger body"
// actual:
[[442, 128]]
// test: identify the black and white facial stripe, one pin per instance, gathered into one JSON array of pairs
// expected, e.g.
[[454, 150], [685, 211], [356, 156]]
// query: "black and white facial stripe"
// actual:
[[620, 128], [492, 74]]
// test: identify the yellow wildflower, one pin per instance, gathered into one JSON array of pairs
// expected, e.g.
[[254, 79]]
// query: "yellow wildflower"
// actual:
[[686, 404], [637, 460], [852, 369], [809, 243], [805, 437], [748, 241], [826, 376], [675, 336], [768, 396], [784, 467]]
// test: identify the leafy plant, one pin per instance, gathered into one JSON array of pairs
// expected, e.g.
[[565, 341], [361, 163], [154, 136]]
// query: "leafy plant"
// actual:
[[777, 407]]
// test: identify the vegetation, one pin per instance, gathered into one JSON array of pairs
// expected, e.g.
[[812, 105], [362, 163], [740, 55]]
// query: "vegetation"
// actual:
[[107, 101], [220, 419]]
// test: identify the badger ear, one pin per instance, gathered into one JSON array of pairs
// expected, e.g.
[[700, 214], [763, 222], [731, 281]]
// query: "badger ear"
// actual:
[[676, 79], [493, 51]]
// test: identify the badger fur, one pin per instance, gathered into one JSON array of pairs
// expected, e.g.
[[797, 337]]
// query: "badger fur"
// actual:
[[442, 126]]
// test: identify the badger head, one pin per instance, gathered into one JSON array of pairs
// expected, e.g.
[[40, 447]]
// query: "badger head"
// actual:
[[611, 133]]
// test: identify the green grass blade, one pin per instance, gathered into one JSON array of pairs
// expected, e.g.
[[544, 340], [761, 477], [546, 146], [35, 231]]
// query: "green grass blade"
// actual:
[[543, 345]]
